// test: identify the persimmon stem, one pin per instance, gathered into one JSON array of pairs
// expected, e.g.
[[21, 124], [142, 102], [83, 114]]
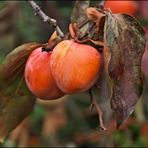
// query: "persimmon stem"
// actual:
[[87, 32], [95, 104], [46, 18], [85, 21]]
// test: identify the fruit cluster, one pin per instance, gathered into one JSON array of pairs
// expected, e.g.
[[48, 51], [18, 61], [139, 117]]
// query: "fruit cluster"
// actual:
[[69, 68]]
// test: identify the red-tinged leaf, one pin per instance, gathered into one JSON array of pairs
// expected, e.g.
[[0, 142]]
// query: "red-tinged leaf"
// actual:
[[16, 101], [125, 40]]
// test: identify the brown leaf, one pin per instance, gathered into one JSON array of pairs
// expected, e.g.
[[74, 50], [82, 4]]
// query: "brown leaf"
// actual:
[[94, 28], [53, 40], [78, 13], [94, 15], [16, 101], [125, 40], [79, 17], [73, 30]]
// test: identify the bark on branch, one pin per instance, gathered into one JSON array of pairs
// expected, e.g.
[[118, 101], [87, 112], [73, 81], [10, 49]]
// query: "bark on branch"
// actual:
[[46, 18]]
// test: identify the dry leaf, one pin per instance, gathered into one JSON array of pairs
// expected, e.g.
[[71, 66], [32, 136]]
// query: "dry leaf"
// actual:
[[73, 30], [125, 40], [79, 17], [78, 13], [94, 15], [16, 101]]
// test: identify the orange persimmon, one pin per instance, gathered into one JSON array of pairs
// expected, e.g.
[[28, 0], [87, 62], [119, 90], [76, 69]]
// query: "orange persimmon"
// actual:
[[122, 6], [75, 66], [38, 76]]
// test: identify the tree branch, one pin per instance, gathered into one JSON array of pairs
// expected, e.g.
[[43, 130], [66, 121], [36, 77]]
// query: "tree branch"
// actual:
[[46, 18]]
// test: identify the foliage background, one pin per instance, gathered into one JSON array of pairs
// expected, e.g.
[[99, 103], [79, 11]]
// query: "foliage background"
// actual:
[[68, 121]]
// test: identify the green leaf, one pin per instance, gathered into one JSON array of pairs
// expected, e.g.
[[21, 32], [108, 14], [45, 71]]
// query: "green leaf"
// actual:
[[16, 101], [125, 40]]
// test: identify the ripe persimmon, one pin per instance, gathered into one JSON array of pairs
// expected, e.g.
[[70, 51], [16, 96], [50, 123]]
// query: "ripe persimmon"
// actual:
[[38, 76], [117, 6], [75, 66]]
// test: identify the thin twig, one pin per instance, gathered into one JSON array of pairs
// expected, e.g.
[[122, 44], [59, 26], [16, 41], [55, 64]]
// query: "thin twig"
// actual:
[[46, 18], [95, 104]]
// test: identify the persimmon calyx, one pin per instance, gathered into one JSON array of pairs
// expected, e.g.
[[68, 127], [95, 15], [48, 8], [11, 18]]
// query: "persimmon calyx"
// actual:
[[94, 15]]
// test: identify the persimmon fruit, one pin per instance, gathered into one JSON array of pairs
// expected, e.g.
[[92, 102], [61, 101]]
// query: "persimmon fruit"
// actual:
[[123, 6], [38, 76], [75, 66]]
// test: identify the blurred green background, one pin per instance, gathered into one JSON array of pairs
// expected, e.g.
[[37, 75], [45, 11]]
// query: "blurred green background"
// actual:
[[68, 121]]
